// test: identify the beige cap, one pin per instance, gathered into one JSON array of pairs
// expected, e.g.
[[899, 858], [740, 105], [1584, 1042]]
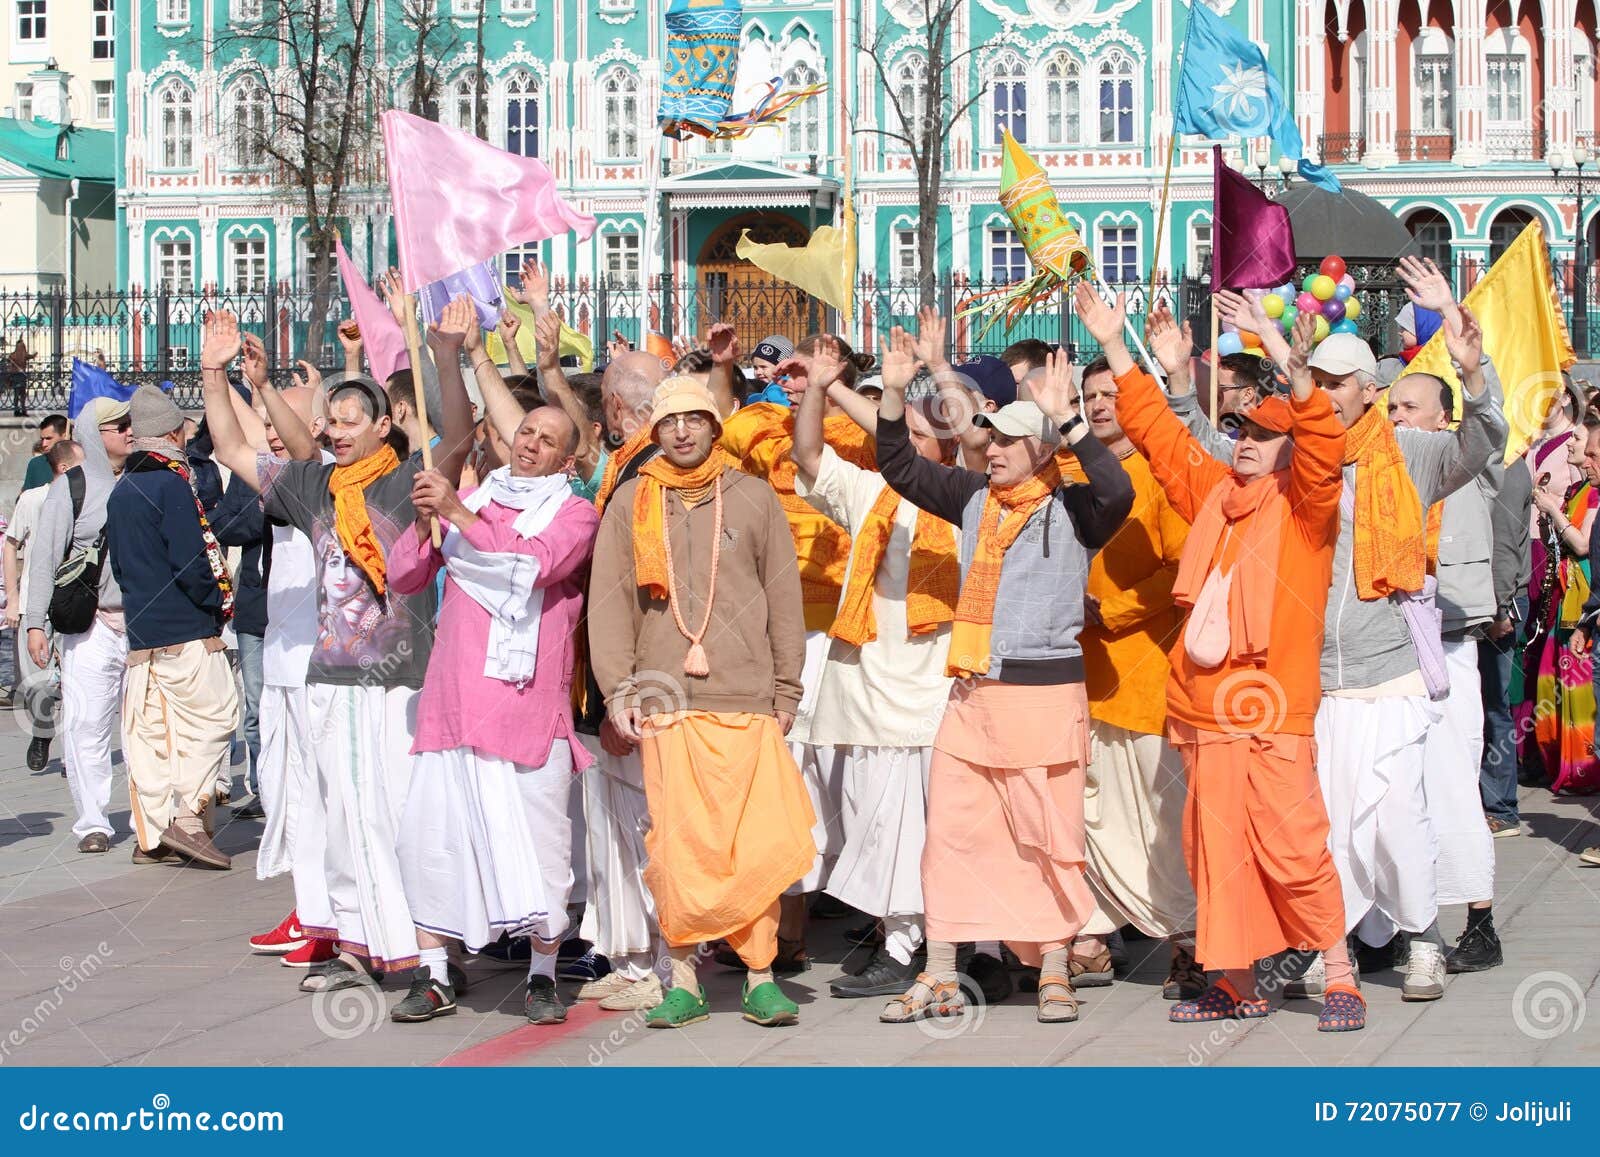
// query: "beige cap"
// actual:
[[682, 395], [108, 410], [1344, 353], [1021, 420]]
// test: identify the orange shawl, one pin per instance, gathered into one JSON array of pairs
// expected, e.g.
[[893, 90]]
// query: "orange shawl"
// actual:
[[1390, 549], [350, 518], [1264, 502], [932, 586], [649, 513], [1006, 511], [615, 464], [1435, 528]]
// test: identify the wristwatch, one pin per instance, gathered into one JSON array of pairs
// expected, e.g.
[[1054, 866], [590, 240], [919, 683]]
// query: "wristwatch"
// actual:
[[1070, 425]]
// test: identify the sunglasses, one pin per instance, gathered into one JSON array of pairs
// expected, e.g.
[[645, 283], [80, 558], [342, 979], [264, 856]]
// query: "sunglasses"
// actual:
[[121, 425]]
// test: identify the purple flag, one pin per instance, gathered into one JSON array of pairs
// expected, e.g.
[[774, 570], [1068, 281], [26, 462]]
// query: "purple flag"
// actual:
[[480, 282], [1252, 245]]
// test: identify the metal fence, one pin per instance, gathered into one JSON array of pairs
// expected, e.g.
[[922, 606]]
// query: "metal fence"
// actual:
[[156, 336]]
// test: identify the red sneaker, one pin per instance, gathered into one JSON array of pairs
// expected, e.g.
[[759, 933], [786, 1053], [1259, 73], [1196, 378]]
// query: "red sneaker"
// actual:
[[312, 952], [286, 937]]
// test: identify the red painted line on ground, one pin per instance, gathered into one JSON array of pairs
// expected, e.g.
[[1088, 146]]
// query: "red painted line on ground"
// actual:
[[528, 1039]]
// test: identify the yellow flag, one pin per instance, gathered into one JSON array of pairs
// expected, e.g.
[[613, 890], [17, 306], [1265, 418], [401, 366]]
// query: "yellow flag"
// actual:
[[821, 268], [573, 343], [1524, 335]]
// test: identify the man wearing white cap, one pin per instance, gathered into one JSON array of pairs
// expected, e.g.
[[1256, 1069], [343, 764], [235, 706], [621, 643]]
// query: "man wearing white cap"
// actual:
[[94, 658]]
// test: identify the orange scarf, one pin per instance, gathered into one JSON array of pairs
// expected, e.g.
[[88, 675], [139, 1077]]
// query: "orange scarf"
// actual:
[[348, 485], [649, 513], [932, 587], [1390, 544], [1006, 511], [1435, 527], [1256, 510], [615, 464]]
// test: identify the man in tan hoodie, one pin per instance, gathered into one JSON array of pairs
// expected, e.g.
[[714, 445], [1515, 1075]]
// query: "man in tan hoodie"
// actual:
[[697, 639]]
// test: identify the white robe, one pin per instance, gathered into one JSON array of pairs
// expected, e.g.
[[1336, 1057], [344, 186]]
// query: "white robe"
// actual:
[[823, 775], [1450, 782], [619, 918], [884, 817]]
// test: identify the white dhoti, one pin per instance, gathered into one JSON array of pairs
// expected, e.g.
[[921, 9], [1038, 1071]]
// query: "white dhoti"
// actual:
[[1133, 802], [286, 775], [362, 740], [1370, 755], [1450, 783], [822, 772], [485, 846], [885, 821], [619, 918]]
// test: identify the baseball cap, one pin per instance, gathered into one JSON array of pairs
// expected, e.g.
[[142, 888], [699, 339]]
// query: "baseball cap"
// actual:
[[1272, 414], [871, 382], [1344, 353], [993, 378], [682, 395], [773, 349], [1021, 420], [108, 410]]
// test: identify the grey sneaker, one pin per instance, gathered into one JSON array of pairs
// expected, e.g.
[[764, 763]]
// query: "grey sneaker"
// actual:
[[543, 1004], [1499, 828], [426, 1000], [1312, 984], [1424, 972]]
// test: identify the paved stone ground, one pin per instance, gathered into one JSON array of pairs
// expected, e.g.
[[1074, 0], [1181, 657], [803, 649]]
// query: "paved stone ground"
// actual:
[[105, 963]]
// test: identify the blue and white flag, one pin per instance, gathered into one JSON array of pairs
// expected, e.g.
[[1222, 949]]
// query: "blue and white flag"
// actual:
[[90, 382], [1225, 89]]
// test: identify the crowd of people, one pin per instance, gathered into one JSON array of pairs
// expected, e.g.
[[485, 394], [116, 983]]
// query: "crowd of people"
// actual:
[[623, 676]]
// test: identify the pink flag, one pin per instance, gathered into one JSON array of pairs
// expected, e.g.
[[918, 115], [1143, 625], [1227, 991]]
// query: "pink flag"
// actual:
[[459, 200], [380, 333]]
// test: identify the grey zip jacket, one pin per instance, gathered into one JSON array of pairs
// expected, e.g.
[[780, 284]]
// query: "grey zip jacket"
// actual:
[[56, 527]]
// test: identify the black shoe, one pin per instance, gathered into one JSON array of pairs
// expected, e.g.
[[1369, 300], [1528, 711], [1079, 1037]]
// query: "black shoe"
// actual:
[[250, 810], [869, 933], [991, 976], [508, 952], [1391, 955], [426, 1000], [572, 949], [1476, 950], [543, 1005], [458, 978], [825, 907], [39, 754], [883, 976]]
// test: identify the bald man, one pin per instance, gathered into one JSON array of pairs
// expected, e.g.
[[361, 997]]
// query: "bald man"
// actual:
[[1461, 541]]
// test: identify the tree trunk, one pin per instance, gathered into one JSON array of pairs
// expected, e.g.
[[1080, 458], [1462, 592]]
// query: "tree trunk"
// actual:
[[322, 263], [480, 83]]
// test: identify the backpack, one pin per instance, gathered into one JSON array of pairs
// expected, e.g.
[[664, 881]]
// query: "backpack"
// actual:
[[76, 597]]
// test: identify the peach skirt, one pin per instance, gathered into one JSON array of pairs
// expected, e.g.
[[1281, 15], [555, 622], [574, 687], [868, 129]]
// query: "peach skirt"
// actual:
[[1005, 849]]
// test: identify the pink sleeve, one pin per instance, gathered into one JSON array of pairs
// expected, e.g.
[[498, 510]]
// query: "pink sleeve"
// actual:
[[412, 562], [561, 548]]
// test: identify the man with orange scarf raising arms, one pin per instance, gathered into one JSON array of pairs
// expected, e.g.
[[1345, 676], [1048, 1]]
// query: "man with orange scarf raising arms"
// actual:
[[696, 640], [1004, 857], [372, 643], [1243, 695]]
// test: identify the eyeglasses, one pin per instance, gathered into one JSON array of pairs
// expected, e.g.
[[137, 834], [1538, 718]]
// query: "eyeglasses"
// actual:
[[121, 425], [694, 423]]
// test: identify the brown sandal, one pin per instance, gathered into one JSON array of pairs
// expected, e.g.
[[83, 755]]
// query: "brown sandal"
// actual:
[[1058, 1003], [925, 998]]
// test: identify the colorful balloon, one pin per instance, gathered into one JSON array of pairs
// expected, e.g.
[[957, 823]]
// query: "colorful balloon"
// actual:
[[1307, 302], [1323, 328], [1290, 312], [1333, 310], [1348, 282], [1323, 287], [1345, 326], [1332, 266], [1343, 292], [1229, 343], [1352, 308], [1272, 305], [1311, 279], [1249, 339]]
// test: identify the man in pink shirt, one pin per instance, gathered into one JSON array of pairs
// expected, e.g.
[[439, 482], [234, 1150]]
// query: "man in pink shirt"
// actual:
[[485, 842]]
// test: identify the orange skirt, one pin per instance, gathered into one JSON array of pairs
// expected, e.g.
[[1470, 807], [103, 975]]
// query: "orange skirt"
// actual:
[[1255, 835], [730, 821], [1005, 847]]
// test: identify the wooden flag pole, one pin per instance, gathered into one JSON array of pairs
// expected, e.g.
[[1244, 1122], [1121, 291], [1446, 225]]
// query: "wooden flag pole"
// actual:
[[1138, 342], [425, 432], [1216, 360], [1161, 217]]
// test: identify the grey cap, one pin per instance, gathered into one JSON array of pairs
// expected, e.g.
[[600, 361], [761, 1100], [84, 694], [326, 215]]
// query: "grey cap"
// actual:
[[154, 414], [1021, 420]]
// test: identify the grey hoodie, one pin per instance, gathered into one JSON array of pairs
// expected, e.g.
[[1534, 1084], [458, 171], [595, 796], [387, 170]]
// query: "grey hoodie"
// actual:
[[1466, 554], [50, 537]]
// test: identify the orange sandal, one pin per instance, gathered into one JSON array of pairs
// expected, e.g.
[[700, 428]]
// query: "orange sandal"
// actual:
[[925, 999]]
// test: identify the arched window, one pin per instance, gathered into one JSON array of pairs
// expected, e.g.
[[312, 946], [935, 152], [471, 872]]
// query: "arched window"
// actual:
[[247, 120], [1008, 84], [522, 114], [175, 125], [911, 90], [1063, 101], [620, 115], [1506, 228], [1432, 230], [1435, 82], [1506, 73], [1115, 75], [464, 101], [803, 129]]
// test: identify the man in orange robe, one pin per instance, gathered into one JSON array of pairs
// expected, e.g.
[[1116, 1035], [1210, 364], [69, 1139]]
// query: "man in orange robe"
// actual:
[[1245, 686]]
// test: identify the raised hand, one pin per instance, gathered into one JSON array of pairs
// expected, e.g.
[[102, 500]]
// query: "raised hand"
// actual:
[[1169, 342], [723, 341], [1425, 285], [681, 348], [222, 341], [350, 338], [1104, 322], [1463, 337], [313, 376], [827, 363], [402, 304], [899, 361], [508, 327], [1298, 361], [516, 295], [794, 376], [928, 345], [547, 334], [1054, 394], [445, 336], [617, 346], [255, 361], [536, 286]]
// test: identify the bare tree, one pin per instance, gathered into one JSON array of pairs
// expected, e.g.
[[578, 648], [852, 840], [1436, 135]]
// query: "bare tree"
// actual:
[[427, 18], [321, 134], [480, 84], [923, 117]]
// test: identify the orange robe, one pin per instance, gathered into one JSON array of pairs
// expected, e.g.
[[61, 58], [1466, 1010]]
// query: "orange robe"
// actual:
[[1255, 826]]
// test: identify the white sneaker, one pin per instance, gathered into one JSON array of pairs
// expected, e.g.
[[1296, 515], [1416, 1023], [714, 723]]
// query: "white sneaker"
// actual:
[[600, 989], [1424, 972], [642, 995], [1310, 984]]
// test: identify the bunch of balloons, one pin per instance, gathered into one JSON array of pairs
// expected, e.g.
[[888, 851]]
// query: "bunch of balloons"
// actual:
[[1329, 293]]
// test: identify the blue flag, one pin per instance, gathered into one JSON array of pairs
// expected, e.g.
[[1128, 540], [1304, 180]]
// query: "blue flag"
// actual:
[[1225, 89], [90, 382]]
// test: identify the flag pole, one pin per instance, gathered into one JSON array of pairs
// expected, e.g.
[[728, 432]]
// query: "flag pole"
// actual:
[[1172, 148], [1138, 342], [424, 431]]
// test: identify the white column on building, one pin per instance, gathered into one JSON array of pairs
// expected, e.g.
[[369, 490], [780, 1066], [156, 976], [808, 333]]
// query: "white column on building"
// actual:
[[138, 257], [380, 241], [283, 244], [1559, 80], [1470, 95], [961, 234], [866, 236], [1382, 91], [1310, 37], [210, 248], [1161, 97]]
